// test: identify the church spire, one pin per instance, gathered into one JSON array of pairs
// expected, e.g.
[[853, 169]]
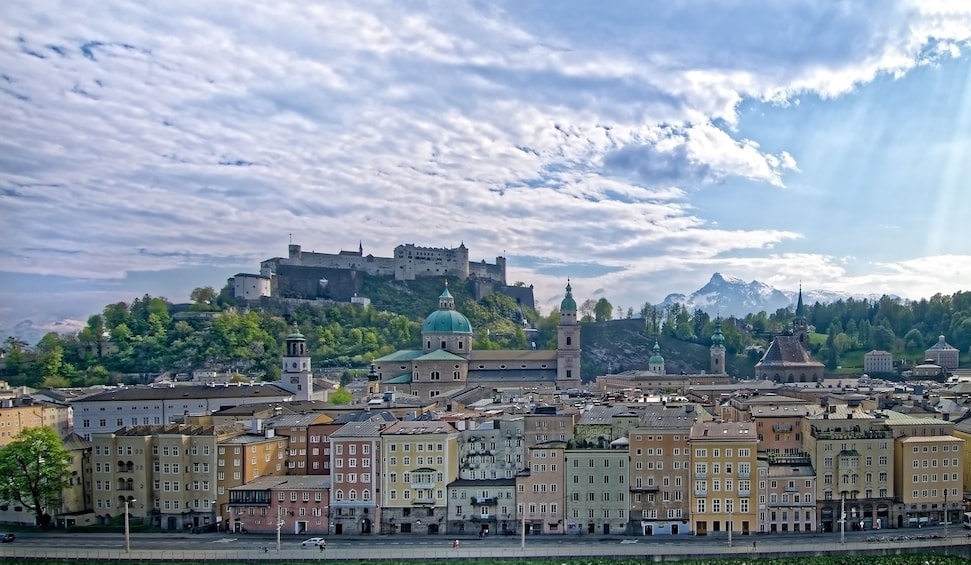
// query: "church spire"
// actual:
[[800, 309]]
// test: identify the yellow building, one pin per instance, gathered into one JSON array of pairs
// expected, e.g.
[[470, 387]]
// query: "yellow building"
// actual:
[[723, 458], [929, 477], [419, 460], [17, 415], [962, 430]]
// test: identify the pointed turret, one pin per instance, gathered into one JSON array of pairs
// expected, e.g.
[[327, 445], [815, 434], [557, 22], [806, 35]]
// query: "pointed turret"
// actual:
[[799, 325]]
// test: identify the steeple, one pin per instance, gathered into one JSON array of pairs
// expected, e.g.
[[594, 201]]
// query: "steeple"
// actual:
[[800, 327], [800, 309]]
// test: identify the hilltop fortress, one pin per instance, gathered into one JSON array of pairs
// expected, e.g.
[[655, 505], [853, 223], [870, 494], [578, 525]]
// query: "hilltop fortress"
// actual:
[[409, 262], [337, 276]]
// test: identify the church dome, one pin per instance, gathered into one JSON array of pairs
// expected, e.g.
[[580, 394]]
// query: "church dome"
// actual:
[[656, 358], [446, 322], [568, 304]]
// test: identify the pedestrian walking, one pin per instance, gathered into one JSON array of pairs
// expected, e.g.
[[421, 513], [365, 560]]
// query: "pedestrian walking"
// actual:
[[323, 545]]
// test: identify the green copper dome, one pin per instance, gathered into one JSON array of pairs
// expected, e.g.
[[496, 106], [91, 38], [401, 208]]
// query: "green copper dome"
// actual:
[[656, 358], [446, 320], [568, 304]]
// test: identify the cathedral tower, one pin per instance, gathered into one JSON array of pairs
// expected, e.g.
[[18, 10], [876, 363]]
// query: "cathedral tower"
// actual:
[[568, 343]]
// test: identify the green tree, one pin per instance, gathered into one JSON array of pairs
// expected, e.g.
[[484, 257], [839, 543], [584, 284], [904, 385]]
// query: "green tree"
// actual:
[[603, 310], [33, 468], [204, 295], [340, 396]]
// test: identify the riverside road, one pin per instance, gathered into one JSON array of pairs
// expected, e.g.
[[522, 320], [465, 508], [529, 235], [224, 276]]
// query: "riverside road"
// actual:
[[222, 546]]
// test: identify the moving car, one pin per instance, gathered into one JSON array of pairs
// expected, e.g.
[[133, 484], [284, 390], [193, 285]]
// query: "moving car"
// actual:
[[7, 538], [313, 542]]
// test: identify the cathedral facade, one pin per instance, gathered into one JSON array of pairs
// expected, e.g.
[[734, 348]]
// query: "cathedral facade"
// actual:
[[447, 364]]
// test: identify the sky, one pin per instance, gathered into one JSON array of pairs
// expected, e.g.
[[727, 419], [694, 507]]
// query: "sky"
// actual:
[[632, 147]]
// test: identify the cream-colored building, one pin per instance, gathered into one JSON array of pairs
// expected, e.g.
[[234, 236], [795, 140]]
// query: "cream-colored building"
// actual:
[[419, 460], [167, 474], [723, 460], [962, 430], [929, 478], [852, 452], [541, 491], [877, 362]]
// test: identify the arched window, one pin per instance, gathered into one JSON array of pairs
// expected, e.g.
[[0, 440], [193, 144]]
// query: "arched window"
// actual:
[[339, 495], [365, 494], [569, 340], [352, 495]]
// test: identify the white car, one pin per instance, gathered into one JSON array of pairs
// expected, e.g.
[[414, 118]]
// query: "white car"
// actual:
[[313, 542]]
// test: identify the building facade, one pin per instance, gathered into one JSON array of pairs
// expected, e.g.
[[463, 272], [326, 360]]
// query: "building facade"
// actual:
[[723, 458]]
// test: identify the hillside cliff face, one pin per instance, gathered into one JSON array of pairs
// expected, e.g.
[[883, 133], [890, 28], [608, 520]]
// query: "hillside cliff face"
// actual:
[[623, 345]]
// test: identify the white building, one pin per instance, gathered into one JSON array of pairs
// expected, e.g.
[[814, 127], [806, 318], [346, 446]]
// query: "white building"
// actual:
[[943, 354], [141, 406], [877, 361], [251, 287]]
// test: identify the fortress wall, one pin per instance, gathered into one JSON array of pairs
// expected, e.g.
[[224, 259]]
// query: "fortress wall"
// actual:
[[304, 282]]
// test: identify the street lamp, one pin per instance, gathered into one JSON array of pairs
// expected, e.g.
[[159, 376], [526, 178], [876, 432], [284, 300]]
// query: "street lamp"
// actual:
[[279, 526], [127, 530], [946, 517], [730, 517]]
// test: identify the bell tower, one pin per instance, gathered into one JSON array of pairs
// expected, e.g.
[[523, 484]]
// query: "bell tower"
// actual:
[[717, 350], [297, 376], [568, 343]]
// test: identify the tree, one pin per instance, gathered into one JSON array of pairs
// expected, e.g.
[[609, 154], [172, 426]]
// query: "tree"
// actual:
[[203, 295], [340, 396], [33, 471], [603, 311]]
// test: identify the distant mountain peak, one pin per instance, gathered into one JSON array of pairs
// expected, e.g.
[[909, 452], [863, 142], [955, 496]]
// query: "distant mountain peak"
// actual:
[[727, 295]]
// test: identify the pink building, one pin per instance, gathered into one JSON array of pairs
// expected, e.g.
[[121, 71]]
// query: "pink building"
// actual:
[[294, 504]]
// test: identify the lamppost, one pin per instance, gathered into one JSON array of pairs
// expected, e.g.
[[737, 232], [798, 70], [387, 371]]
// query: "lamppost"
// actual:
[[946, 517], [128, 502], [730, 524], [279, 526], [842, 518]]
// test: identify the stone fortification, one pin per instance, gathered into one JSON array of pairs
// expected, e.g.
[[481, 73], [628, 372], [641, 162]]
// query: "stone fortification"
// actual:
[[408, 263]]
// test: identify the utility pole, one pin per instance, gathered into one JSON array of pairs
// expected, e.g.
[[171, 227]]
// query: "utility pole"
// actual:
[[730, 524], [946, 517]]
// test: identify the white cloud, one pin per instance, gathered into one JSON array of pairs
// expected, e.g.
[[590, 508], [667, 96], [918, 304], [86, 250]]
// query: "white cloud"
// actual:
[[146, 137]]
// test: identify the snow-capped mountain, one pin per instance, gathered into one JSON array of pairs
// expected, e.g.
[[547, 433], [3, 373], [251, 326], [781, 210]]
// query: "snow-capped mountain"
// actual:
[[726, 295], [31, 332]]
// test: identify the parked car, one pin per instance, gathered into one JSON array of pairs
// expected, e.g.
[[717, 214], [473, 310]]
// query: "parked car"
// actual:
[[205, 528], [313, 542], [7, 538]]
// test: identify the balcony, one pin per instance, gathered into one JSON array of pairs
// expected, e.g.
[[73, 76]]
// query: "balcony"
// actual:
[[423, 502], [645, 488], [701, 492], [483, 517], [744, 474], [485, 501], [744, 492], [423, 486], [701, 474]]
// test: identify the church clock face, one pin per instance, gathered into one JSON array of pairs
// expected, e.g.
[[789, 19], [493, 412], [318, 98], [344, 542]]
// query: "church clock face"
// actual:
[[294, 365]]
